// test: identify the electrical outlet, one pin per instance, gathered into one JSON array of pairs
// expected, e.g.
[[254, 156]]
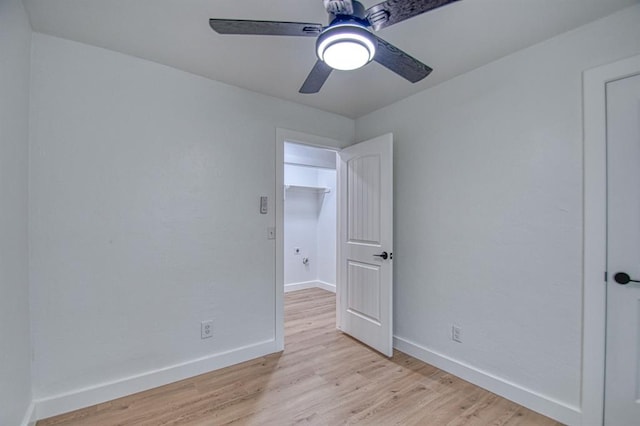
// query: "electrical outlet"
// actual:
[[296, 251], [456, 333], [206, 329]]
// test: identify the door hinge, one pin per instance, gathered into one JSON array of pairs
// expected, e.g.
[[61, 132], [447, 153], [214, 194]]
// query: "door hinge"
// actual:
[[605, 276]]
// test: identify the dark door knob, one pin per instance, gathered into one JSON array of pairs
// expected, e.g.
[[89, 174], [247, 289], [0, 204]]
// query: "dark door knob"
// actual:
[[383, 255], [623, 278]]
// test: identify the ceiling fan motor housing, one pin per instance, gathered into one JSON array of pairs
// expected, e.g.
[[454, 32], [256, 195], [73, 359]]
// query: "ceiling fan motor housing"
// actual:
[[345, 8]]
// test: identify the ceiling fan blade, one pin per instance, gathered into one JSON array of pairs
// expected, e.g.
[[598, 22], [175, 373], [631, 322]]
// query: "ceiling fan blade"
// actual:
[[393, 11], [316, 78], [399, 62], [239, 26]]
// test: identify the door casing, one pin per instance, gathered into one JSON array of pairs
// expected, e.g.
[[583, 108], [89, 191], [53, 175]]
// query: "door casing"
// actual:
[[594, 233]]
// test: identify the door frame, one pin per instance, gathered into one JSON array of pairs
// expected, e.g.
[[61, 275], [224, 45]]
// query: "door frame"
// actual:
[[594, 232], [282, 136]]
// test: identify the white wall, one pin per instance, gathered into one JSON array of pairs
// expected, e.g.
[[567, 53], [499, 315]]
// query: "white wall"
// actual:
[[301, 210], [15, 350], [488, 213], [326, 252], [144, 220], [309, 156]]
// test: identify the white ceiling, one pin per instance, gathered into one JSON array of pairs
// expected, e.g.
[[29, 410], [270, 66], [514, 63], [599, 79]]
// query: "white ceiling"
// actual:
[[453, 40]]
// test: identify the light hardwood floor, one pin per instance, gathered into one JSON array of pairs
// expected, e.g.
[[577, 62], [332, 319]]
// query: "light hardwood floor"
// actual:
[[323, 378]]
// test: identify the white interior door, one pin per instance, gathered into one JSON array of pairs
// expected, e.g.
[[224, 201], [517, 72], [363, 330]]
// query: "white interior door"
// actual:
[[365, 266], [622, 389]]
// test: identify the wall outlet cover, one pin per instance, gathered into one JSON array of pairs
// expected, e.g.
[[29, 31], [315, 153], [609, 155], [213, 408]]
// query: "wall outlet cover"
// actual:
[[206, 329], [456, 333]]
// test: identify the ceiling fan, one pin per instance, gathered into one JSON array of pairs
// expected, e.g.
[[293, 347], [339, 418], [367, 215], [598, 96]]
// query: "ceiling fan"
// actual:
[[348, 42]]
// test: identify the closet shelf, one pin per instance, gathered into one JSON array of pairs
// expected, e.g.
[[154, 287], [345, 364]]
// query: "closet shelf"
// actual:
[[314, 189]]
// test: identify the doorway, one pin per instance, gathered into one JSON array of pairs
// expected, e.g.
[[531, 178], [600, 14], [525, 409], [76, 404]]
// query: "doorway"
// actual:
[[622, 368], [363, 241], [310, 212], [597, 277], [301, 141]]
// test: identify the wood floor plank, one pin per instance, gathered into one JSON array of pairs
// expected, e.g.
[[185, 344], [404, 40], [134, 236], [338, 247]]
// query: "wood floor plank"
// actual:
[[322, 378]]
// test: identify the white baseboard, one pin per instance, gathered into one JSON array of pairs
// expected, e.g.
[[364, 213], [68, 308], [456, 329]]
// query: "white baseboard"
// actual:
[[29, 418], [540, 403], [70, 401], [299, 286], [81, 398], [326, 286], [309, 284]]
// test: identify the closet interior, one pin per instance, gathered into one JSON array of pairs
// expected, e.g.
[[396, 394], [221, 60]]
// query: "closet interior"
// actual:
[[309, 217]]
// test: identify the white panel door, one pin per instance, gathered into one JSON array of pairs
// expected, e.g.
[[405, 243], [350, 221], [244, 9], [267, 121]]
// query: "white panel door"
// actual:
[[365, 292], [622, 389]]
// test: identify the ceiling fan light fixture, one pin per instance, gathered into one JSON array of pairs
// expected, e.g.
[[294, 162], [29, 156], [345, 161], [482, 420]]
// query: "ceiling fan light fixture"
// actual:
[[346, 46]]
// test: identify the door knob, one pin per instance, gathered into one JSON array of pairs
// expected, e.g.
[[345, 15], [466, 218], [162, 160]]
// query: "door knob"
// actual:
[[623, 278], [383, 255]]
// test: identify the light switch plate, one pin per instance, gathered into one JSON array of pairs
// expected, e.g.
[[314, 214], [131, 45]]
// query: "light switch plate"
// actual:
[[263, 205]]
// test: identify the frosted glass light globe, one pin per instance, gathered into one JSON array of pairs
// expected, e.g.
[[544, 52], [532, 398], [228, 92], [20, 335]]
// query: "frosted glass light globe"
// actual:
[[346, 55], [346, 47]]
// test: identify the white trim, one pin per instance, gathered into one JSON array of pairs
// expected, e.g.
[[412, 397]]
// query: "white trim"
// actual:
[[300, 286], [543, 404], [595, 221], [309, 284], [103, 392], [282, 136], [340, 171], [326, 286], [29, 418]]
